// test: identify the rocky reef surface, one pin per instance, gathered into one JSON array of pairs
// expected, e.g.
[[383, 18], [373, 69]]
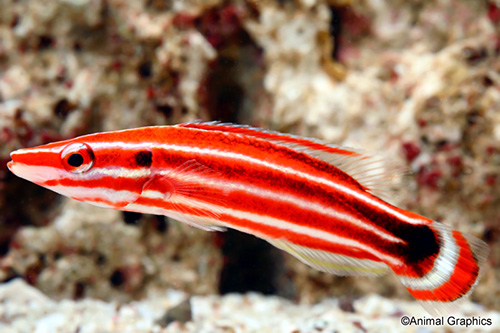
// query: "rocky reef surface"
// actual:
[[416, 81], [25, 309]]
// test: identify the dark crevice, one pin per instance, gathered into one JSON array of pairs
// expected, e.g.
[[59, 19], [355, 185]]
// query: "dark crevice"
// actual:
[[117, 279], [234, 74], [250, 264], [33, 209], [335, 29], [131, 218], [224, 95]]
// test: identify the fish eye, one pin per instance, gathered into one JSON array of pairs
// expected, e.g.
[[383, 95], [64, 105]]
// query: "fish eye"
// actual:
[[77, 158]]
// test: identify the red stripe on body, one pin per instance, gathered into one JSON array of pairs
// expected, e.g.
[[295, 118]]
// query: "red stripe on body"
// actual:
[[260, 149], [273, 180], [243, 201], [264, 231], [262, 176], [115, 204], [245, 146], [48, 159], [270, 136], [113, 183], [279, 182]]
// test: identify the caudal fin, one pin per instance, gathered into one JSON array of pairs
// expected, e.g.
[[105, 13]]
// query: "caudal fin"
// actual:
[[455, 272]]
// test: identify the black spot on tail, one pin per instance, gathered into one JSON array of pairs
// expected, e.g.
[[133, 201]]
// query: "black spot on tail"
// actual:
[[422, 241], [144, 158]]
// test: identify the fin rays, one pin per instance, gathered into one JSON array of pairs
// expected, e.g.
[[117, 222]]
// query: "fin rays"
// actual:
[[330, 262], [181, 185], [372, 172], [456, 271]]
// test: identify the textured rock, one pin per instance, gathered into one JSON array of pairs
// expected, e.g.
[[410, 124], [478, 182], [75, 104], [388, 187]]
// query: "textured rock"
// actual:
[[417, 81], [25, 309]]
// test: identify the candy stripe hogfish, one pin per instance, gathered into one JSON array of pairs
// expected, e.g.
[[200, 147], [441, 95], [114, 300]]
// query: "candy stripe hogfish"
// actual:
[[313, 200]]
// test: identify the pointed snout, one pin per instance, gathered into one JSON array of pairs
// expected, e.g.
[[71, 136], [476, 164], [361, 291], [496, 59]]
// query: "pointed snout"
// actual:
[[33, 164], [12, 164]]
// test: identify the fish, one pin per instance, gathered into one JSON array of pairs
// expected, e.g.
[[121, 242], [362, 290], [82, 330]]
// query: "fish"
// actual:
[[319, 202]]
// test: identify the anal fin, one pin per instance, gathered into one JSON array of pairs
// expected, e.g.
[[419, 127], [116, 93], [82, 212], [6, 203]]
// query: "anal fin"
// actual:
[[205, 224], [330, 262]]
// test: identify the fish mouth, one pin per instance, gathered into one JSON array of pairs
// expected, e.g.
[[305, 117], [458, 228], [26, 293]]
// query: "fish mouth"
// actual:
[[25, 171], [13, 166], [10, 164], [14, 156]]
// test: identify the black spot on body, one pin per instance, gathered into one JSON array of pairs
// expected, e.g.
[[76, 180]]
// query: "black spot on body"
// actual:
[[144, 158]]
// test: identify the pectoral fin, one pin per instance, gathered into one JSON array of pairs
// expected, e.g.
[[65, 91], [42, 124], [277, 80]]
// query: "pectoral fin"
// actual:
[[192, 194]]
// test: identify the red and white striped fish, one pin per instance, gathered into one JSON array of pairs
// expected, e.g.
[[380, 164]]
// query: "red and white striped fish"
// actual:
[[308, 198]]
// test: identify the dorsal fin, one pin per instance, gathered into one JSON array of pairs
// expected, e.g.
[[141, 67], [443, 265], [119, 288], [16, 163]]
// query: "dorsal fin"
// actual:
[[372, 172], [316, 146]]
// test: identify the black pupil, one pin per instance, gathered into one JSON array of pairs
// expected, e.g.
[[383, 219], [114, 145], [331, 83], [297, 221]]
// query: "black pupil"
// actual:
[[75, 160]]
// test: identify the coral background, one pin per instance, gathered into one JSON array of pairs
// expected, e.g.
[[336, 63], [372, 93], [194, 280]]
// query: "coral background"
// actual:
[[417, 81]]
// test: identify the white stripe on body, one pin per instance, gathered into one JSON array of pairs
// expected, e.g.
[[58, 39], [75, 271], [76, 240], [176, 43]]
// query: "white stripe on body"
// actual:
[[258, 219], [56, 150], [96, 193], [97, 173], [282, 168]]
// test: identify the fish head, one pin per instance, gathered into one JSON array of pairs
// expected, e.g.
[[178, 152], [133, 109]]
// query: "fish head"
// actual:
[[84, 169]]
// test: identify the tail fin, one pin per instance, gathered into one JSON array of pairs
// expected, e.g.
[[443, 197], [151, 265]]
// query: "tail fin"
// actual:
[[454, 275]]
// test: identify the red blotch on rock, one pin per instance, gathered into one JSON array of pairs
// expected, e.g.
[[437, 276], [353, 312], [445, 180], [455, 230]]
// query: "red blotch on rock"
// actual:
[[411, 150], [183, 21], [490, 179], [32, 272], [6, 134], [150, 93], [421, 123], [456, 165], [493, 12], [445, 146], [222, 25], [49, 136], [491, 150], [429, 175], [116, 65]]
